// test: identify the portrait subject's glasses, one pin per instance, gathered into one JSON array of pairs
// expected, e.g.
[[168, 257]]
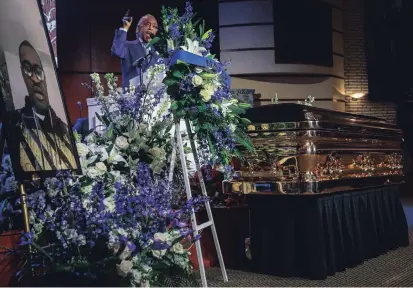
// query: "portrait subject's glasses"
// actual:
[[31, 70]]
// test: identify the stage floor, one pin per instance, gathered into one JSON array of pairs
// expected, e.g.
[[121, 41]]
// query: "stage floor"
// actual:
[[393, 269]]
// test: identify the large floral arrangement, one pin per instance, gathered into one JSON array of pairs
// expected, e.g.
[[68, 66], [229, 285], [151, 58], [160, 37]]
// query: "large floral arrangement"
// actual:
[[119, 221], [201, 93]]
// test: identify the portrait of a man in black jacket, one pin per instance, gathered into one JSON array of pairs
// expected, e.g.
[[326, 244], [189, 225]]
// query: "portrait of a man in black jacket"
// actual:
[[44, 139]]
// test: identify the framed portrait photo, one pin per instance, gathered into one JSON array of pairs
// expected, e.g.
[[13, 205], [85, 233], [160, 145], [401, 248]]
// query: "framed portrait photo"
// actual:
[[34, 115]]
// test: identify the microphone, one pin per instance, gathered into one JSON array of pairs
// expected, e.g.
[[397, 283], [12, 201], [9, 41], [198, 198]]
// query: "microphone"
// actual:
[[80, 106], [152, 35], [140, 60]]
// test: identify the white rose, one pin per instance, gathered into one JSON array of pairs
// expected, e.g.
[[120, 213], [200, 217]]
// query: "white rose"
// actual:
[[161, 236], [177, 248], [124, 268], [101, 167], [156, 152], [158, 253], [93, 172], [82, 149], [206, 94], [197, 80], [122, 142], [125, 253]]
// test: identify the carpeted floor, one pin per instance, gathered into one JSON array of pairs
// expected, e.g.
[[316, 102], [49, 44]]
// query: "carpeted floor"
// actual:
[[393, 269]]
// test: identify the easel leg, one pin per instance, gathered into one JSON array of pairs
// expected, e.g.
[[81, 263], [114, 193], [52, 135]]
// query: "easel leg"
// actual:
[[24, 208], [207, 206], [189, 196], [26, 222]]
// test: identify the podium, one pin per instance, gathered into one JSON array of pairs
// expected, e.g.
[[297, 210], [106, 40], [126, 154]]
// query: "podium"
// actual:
[[93, 107]]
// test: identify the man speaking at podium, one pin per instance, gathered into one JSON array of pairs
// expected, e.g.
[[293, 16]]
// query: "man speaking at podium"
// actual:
[[131, 51]]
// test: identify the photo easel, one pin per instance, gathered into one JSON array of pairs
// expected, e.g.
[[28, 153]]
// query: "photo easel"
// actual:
[[178, 143]]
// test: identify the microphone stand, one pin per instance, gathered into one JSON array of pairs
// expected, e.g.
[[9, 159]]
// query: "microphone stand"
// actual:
[[139, 64]]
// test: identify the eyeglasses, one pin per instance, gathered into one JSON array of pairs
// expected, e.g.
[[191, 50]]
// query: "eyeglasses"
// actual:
[[35, 69], [148, 24]]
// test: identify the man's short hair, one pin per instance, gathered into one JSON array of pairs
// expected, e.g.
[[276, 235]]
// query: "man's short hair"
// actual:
[[143, 18]]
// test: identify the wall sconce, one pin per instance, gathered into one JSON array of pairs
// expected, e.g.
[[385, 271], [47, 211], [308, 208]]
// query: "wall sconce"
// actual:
[[357, 96]]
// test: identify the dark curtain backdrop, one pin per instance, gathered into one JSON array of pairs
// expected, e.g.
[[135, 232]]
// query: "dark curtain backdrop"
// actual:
[[389, 49], [85, 33]]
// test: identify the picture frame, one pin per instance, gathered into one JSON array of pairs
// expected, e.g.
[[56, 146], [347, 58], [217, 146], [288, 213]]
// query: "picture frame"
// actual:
[[36, 125]]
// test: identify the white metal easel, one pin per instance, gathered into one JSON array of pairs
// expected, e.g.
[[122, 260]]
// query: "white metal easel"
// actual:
[[177, 141]]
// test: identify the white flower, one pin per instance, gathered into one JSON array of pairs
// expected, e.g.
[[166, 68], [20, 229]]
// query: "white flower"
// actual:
[[125, 253], [81, 240], [32, 217], [114, 157], [91, 138], [38, 227], [115, 248], [136, 276], [124, 268], [197, 80], [161, 236], [170, 44], [206, 94], [198, 70], [178, 248], [158, 253], [156, 152], [87, 189], [109, 203], [193, 47], [93, 173], [82, 149], [146, 268], [101, 167], [122, 142]]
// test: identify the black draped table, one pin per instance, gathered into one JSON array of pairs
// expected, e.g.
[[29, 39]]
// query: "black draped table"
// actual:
[[314, 236]]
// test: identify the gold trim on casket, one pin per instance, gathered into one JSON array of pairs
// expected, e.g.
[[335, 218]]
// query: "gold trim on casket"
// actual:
[[303, 149]]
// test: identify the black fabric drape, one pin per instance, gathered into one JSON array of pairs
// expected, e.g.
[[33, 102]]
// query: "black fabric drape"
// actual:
[[314, 236]]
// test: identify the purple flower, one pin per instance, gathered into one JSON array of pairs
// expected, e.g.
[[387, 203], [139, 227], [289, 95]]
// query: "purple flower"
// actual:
[[159, 245], [174, 32], [207, 43]]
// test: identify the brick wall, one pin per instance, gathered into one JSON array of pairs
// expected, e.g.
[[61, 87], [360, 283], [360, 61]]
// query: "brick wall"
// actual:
[[355, 67]]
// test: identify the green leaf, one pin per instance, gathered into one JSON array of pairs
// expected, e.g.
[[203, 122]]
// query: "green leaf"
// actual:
[[235, 109], [177, 73], [206, 34], [109, 132], [169, 81], [181, 62], [245, 121], [244, 105], [208, 76], [174, 106]]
